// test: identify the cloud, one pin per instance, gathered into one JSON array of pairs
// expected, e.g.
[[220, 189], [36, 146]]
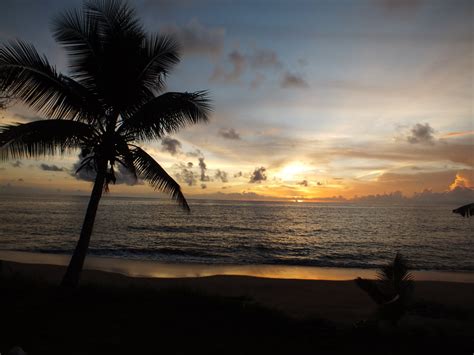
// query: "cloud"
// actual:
[[87, 173], [203, 168], [421, 133], [16, 164], [458, 152], [258, 175], [171, 145], [238, 64], [229, 133], [238, 196], [464, 178], [459, 195], [196, 153], [264, 58], [458, 134], [399, 5], [410, 183], [123, 176], [221, 175], [47, 167], [303, 62], [291, 80], [258, 59], [303, 183], [257, 81], [195, 38], [186, 175]]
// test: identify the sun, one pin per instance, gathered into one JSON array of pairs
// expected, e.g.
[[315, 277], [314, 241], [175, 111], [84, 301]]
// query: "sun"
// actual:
[[292, 170]]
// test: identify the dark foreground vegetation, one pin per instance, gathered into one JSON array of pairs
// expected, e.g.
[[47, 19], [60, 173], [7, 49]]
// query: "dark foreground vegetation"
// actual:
[[107, 320]]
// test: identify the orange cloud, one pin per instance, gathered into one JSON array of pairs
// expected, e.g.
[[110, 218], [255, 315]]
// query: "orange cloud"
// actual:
[[462, 179], [458, 134]]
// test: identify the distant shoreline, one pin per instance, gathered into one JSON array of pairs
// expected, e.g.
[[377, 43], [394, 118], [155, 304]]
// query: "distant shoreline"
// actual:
[[152, 269]]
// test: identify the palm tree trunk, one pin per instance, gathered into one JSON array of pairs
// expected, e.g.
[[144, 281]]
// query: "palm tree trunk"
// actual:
[[73, 273]]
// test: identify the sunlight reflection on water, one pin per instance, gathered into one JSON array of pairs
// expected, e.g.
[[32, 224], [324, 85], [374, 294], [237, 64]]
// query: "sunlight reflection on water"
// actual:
[[216, 232]]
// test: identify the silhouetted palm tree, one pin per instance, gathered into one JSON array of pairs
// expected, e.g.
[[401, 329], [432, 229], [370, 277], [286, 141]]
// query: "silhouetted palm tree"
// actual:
[[392, 290], [466, 210], [112, 100]]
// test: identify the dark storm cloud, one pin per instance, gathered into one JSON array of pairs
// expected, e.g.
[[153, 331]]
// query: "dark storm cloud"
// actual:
[[229, 133], [221, 175], [258, 175], [203, 168], [53, 167], [195, 38], [291, 80], [171, 145], [421, 133]]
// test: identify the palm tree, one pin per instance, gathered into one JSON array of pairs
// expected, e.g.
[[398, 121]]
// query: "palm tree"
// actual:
[[466, 210], [112, 100], [393, 289]]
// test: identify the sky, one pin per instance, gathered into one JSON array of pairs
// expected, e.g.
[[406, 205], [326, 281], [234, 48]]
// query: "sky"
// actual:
[[313, 100]]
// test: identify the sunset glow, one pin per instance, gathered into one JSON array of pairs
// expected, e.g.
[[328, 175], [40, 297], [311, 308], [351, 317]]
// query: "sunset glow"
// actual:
[[306, 104]]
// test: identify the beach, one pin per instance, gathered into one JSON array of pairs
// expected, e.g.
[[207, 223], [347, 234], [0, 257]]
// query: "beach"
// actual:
[[285, 313], [336, 300]]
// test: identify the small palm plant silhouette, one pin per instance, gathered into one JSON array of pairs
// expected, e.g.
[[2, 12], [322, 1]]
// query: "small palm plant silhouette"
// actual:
[[392, 290], [112, 101]]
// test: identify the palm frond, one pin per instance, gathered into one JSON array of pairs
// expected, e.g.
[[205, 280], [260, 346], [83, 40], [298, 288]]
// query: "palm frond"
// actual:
[[78, 34], [466, 210], [41, 138], [148, 169], [396, 273], [166, 114], [116, 18], [372, 289], [126, 157], [160, 53], [29, 78], [393, 280]]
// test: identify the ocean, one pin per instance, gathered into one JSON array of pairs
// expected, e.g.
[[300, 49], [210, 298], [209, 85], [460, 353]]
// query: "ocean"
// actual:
[[243, 233]]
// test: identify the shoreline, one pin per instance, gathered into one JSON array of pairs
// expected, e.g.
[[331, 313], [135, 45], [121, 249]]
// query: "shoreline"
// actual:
[[152, 269], [340, 301]]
